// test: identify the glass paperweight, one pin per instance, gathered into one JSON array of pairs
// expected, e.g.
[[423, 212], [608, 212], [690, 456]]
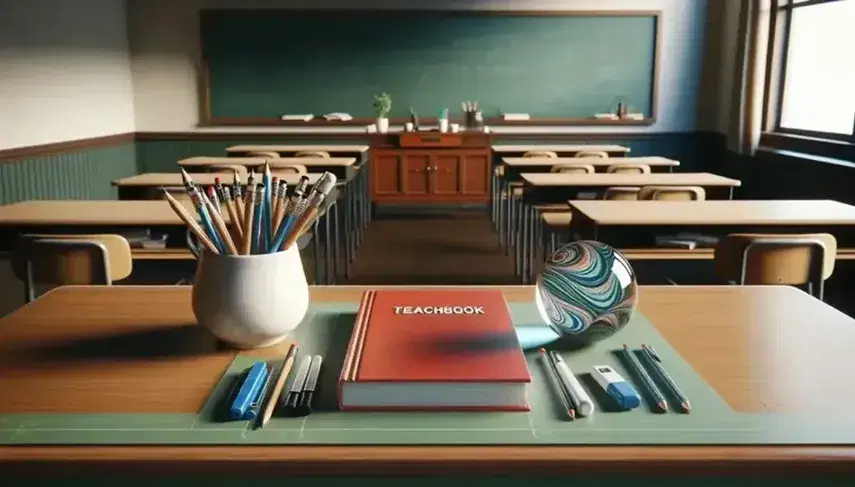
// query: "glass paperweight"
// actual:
[[587, 291]]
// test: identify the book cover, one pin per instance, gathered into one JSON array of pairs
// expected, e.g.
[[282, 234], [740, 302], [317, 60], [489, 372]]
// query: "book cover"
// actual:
[[455, 343]]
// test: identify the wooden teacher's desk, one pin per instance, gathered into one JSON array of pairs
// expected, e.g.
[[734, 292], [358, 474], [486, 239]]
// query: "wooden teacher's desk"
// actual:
[[120, 380], [632, 223]]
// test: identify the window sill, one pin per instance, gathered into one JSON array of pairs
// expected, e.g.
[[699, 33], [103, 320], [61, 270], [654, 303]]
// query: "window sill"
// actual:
[[822, 150]]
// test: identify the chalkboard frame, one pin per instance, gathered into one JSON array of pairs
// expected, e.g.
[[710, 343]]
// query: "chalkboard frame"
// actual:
[[207, 119]]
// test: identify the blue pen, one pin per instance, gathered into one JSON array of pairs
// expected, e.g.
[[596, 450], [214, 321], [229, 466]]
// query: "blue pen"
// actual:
[[616, 387], [199, 204], [254, 405], [257, 218], [249, 390]]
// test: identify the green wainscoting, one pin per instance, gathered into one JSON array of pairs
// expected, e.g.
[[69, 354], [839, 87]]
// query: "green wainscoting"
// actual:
[[82, 174]]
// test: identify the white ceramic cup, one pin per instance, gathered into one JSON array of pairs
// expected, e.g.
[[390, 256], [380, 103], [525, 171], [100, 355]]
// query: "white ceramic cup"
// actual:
[[455, 128], [443, 125], [251, 301], [408, 126]]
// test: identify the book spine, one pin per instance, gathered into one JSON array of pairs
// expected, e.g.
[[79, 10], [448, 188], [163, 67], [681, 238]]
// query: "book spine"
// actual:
[[354, 347]]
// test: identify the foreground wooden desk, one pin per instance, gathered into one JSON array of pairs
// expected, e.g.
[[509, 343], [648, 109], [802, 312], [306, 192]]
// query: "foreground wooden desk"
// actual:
[[632, 223], [749, 344], [561, 149]]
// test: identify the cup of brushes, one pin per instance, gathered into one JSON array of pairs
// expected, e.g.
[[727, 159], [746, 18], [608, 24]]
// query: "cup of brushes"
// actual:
[[250, 289]]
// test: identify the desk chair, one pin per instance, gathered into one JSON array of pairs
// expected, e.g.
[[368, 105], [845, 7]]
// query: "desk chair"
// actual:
[[269, 155], [672, 193], [70, 260], [541, 153], [229, 169], [313, 153], [600, 154], [788, 259], [628, 169], [573, 169], [621, 193], [288, 168]]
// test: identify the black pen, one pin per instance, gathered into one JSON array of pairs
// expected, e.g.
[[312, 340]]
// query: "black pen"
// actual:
[[305, 403], [291, 401]]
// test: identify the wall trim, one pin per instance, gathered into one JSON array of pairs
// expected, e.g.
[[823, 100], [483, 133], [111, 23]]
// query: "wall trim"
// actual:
[[54, 148], [30, 152]]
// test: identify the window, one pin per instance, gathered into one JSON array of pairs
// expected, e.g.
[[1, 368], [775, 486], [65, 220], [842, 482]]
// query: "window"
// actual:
[[817, 91]]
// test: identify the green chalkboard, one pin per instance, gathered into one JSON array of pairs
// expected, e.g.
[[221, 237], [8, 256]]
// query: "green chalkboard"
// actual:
[[262, 64]]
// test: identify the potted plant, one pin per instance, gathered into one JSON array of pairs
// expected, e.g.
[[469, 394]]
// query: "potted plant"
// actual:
[[382, 105]]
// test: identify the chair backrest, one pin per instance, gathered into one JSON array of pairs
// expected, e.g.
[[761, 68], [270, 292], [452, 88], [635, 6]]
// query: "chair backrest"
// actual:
[[792, 259], [573, 168], [587, 153], [313, 153], [621, 193], [541, 153], [72, 259], [288, 168], [629, 169], [672, 193], [270, 155], [229, 169]]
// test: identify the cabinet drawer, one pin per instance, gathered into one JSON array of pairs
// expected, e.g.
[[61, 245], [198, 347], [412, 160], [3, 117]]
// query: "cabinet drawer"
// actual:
[[430, 140]]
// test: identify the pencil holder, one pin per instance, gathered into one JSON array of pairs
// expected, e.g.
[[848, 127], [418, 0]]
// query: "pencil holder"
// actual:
[[251, 301]]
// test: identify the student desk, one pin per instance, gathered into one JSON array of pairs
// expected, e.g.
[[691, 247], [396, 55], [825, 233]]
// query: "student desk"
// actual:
[[147, 186], [634, 223], [94, 370], [560, 149], [111, 216], [290, 149]]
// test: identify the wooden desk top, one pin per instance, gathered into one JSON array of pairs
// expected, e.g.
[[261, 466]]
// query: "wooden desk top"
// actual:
[[93, 213], [762, 348], [594, 161], [560, 148], [157, 179], [295, 148], [604, 179], [717, 212], [259, 161]]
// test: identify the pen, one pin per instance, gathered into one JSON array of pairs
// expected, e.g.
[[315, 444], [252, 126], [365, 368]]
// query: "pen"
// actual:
[[291, 400], [646, 379], [198, 203], [248, 391], [322, 188], [556, 385], [305, 403], [257, 219], [581, 401], [280, 384], [660, 371]]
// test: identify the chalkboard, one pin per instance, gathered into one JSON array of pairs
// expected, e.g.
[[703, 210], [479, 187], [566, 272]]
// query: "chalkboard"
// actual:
[[265, 63]]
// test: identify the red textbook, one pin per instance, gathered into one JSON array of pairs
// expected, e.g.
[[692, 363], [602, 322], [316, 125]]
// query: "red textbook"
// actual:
[[434, 350]]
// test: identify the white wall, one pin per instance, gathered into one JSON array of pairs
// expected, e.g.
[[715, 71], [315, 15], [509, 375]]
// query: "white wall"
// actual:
[[164, 36], [64, 71]]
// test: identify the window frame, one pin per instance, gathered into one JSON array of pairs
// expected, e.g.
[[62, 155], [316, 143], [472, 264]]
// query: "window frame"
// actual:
[[776, 72]]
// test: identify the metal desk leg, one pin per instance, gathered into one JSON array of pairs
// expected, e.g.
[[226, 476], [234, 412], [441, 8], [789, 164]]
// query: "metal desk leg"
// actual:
[[336, 242], [500, 217], [316, 246], [328, 275]]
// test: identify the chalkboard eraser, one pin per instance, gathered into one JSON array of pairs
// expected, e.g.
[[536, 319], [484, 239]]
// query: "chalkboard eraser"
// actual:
[[300, 117], [516, 117], [634, 116], [605, 116]]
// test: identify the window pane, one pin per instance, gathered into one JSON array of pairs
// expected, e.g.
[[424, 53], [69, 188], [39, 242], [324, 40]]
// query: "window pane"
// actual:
[[819, 88]]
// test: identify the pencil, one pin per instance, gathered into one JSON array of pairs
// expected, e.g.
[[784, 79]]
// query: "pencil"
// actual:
[[191, 222], [230, 206], [660, 371], [248, 217], [298, 228], [280, 384], [237, 194], [556, 384], [257, 234], [225, 235], [200, 202], [661, 403]]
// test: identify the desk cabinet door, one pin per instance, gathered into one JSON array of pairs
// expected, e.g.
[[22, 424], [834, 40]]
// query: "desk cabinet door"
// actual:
[[475, 174], [416, 170], [446, 174], [386, 171]]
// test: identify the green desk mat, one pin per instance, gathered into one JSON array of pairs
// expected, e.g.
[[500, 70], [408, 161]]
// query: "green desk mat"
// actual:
[[326, 330]]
